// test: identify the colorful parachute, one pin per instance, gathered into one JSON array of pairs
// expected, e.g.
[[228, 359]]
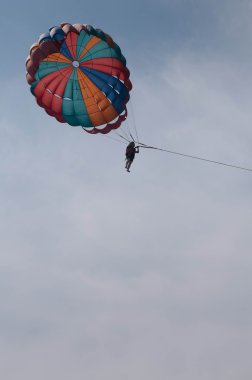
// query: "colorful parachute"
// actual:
[[79, 75]]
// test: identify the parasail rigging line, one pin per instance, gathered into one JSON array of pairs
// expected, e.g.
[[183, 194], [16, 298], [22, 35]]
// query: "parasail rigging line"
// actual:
[[141, 145], [113, 138], [133, 119]]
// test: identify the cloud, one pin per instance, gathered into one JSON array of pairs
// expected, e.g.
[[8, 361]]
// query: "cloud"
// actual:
[[147, 275]]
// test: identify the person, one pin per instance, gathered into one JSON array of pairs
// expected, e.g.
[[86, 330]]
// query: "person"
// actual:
[[131, 150]]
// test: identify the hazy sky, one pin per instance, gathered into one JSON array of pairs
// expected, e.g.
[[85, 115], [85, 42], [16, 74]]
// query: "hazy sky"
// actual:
[[106, 275]]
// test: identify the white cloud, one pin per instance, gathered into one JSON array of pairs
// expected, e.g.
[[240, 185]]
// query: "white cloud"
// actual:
[[147, 275]]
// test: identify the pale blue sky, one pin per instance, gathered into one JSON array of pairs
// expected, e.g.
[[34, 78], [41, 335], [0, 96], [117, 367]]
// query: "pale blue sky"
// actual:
[[147, 275]]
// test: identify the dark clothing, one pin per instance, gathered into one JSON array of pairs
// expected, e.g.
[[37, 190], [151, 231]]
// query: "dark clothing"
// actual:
[[130, 152]]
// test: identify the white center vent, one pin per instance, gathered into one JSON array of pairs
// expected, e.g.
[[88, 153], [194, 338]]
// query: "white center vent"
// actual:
[[76, 64]]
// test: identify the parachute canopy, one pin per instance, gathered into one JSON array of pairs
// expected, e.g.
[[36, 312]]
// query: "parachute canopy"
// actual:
[[79, 75]]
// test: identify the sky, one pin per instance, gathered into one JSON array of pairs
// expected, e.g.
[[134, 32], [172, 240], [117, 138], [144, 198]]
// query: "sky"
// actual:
[[147, 275]]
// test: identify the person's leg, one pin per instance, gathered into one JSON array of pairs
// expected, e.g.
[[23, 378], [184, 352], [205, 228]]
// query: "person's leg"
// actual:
[[129, 165]]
